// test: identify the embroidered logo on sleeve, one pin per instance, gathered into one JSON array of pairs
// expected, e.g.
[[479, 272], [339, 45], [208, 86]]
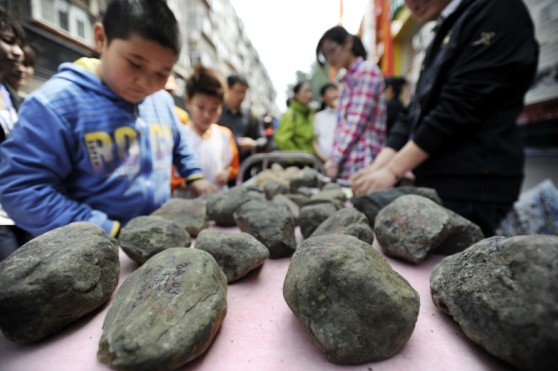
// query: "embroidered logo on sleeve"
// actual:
[[485, 39]]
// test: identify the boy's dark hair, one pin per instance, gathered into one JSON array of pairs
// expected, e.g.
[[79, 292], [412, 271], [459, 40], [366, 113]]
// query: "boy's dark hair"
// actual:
[[7, 22], [237, 79], [205, 81], [150, 19], [339, 35]]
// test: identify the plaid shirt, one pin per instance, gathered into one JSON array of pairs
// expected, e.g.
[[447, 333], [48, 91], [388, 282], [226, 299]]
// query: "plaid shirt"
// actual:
[[361, 128]]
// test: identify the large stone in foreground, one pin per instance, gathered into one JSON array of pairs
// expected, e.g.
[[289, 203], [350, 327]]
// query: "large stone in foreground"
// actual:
[[56, 279], [236, 253], [145, 236], [349, 299], [503, 292], [166, 313]]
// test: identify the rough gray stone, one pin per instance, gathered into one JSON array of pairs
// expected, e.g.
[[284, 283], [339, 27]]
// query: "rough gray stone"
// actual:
[[306, 191], [148, 235], [293, 208], [371, 204], [307, 177], [503, 292], [221, 206], [412, 226], [298, 198], [272, 188], [346, 221], [55, 279], [236, 253], [331, 185], [337, 195], [349, 299], [166, 313], [312, 215], [463, 233], [271, 224], [190, 214]]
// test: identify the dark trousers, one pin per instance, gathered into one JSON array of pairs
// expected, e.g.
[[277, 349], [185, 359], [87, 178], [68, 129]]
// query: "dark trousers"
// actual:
[[11, 238], [486, 215]]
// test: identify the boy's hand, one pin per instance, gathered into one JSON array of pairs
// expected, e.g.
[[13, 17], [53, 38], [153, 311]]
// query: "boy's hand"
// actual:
[[202, 187]]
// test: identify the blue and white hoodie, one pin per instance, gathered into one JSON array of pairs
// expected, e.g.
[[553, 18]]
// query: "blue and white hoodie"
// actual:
[[81, 153]]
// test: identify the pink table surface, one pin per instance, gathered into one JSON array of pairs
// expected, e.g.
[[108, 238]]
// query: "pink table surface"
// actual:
[[261, 333]]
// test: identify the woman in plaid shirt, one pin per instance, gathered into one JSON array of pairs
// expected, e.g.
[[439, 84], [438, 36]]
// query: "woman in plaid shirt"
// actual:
[[361, 128]]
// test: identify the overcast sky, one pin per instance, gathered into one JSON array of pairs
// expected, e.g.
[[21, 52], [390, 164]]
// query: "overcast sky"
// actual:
[[285, 33]]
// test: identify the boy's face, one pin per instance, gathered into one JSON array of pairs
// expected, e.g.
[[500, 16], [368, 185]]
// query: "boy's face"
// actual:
[[204, 110], [133, 68]]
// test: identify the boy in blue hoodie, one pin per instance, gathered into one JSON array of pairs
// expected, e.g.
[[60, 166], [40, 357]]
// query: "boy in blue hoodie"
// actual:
[[97, 141]]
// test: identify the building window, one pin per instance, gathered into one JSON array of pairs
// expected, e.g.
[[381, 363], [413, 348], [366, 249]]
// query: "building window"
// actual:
[[64, 17]]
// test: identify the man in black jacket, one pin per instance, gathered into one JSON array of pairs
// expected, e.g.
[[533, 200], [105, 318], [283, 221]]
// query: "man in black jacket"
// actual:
[[460, 135]]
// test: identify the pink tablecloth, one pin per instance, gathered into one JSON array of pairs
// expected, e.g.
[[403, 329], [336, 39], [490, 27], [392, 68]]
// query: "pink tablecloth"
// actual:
[[261, 333]]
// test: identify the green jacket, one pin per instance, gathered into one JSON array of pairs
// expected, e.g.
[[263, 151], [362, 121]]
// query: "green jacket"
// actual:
[[295, 131]]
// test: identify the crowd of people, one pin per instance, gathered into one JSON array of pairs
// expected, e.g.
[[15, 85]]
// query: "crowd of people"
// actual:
[[102, 140]]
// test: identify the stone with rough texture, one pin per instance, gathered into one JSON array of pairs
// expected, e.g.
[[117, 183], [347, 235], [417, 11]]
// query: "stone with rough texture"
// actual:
[[371, 203], [413, 226], [298, 198], [307, 177], [347, 221], [273, 188], [166, 313], [337, 195], [222, 205], [55, 279], [145, 236], [191, 214], [312, 215], [236, 253], [271, 224], [503, 292], [355, 307], [293, 208]]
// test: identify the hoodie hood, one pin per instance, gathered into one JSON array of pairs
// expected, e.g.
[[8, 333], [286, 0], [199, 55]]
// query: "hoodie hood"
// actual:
[[83, 73]]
